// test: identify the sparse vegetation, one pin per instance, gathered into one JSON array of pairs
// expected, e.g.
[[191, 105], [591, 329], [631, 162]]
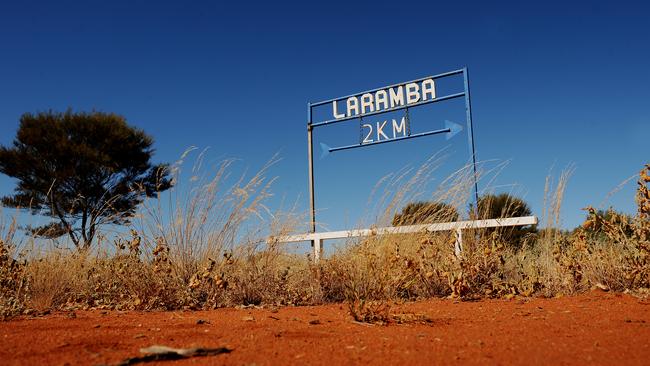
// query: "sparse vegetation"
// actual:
[[211, 253]]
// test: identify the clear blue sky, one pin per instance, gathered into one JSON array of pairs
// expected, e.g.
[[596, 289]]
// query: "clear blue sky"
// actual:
[[552, 84]]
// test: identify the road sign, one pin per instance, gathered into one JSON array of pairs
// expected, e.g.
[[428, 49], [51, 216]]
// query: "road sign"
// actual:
[[396, 97]]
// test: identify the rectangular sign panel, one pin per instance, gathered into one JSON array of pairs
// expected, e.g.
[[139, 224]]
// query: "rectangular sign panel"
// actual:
[[386, 99]]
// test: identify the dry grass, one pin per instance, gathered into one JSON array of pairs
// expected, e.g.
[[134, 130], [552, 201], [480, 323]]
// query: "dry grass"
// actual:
[[203, 247]]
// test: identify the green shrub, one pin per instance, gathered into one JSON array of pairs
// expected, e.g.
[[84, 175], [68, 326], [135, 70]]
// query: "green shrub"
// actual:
[[504, 205], [425, 213]]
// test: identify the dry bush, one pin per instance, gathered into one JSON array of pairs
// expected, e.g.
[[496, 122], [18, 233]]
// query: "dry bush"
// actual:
[[603, 262], [50, 278], [273, 277], [60, 279], [205, 216], [13, 281], [206, 253], [126, 281], [626, 242], [254, 276], [374, 312], [211, 252], [400, 266], [371, 269], [411, 266], [609, 251], [212, 231], [379, 312], [123, 280]]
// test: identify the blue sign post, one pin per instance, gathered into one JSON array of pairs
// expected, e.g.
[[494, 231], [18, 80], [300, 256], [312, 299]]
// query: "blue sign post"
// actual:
[[390, 98]]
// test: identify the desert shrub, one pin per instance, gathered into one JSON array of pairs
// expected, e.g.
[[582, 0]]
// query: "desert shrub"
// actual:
[[425, 213], [479, 270], [631, 236], [253, 277], [597, 230], [63, 280], [549, 263], [415, 266], [236, 267], [504, 205], [272, 277], [362, 270], [13, 284], [205, 254], [408, 266], [51, 278]]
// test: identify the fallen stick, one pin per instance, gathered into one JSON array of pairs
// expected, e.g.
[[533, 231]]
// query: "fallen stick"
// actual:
[[164, 353]]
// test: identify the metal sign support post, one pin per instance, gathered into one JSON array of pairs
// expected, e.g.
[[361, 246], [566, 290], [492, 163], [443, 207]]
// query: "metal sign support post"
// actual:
[[312, 206], [470, 136]]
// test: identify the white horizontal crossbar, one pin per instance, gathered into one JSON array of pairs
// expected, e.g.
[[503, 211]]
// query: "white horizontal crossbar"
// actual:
[[444, 226]]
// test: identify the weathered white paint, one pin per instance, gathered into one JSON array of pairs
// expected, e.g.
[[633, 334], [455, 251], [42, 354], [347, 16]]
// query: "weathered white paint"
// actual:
[[458, 226], [399, 128]]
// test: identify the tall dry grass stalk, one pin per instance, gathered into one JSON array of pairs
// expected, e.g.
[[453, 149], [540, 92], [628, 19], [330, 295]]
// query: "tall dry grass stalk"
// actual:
[[13, 283], [8, 229], [542, 260], [412, 184], [205, 216]]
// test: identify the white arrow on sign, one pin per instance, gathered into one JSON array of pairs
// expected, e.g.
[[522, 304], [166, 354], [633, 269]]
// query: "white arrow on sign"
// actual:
[[450, 130]]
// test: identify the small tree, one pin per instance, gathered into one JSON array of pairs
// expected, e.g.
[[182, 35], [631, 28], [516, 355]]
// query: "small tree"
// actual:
[[425, 213], [82, 169], [504, 205]]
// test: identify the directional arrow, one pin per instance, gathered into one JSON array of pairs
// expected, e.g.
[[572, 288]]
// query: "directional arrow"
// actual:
[[325, 150], [454, 128], [451, 129]]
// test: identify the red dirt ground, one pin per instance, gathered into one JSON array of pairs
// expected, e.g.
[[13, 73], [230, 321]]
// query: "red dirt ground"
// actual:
[[595, 328]]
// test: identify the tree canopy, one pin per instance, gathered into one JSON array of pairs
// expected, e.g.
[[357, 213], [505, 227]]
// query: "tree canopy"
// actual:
[[83, 170]]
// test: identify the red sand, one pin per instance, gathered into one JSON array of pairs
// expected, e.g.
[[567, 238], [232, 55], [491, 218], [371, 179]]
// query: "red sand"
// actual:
[[595, 328]]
